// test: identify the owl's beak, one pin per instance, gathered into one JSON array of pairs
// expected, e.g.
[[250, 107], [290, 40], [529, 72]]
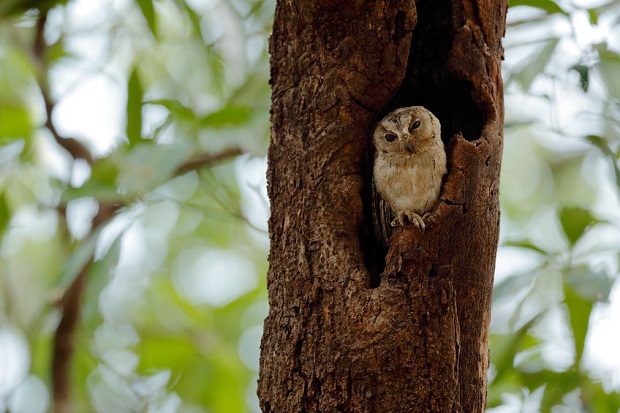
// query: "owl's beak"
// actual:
[[409, 147]]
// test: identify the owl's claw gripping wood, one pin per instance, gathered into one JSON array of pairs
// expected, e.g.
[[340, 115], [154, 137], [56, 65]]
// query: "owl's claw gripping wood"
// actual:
[[413, 218]]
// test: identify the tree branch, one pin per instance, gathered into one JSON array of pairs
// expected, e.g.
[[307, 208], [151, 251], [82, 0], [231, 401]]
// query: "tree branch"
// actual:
[[207, 159], [70, 305], [76, 149], [63, 342]]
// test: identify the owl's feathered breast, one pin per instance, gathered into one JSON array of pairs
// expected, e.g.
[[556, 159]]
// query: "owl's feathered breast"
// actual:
[[409, 181]]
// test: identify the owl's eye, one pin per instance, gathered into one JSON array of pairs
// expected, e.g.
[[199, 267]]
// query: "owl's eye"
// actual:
[[390, 137], [414, 125]]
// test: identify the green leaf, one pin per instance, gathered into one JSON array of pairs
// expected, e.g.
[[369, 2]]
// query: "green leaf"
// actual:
[[11, 150], [101, 192], [526, 245], [102, 183], [596, 12], [591, 284], [609, 67], [194, 18], [602, 144], [174, 352], [217, 68], [148, 11], [593, 16], [584, 76], [233, 115], [575, 221], [582, 288], [510, 286], [149, 165], [549, 6], [594, 395], [557, 385], [135, 92], [579, 311], [518, 123], [5, 215], [506, 346], [127, 174], [175, 107], [532, 67], [15, 122], [98, 278], [13, 7], [79, 259], [56, 51]]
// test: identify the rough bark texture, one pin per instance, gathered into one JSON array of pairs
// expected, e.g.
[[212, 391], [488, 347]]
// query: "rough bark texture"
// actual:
[[340, 335]]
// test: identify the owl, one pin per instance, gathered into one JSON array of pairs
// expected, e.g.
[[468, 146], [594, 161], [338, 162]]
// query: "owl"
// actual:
[[409, 165]]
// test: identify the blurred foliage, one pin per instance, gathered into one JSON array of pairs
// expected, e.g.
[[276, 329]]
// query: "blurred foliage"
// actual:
[[172, 313], [550, 348], [171, 317]]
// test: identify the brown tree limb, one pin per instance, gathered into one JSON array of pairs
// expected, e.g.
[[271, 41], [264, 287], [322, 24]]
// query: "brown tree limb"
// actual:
[[63, 342], [207, 159], [70, 306], [75, 148]]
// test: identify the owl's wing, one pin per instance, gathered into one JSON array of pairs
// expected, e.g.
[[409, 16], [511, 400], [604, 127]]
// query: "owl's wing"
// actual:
[[381, 218]]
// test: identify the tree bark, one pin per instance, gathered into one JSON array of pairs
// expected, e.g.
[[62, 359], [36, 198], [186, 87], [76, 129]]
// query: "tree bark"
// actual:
[[350, 328]]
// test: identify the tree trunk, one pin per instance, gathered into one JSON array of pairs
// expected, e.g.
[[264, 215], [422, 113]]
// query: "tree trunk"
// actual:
[[350, 328]]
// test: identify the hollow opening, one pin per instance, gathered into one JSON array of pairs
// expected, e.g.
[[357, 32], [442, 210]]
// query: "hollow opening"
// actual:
[[427, 83]]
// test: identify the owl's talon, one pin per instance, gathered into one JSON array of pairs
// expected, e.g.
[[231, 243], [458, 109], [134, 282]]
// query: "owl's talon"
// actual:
[[415, 220], [405, 218]]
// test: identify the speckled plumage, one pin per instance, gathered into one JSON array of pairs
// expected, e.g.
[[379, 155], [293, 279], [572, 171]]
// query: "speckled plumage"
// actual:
[[409, 164]]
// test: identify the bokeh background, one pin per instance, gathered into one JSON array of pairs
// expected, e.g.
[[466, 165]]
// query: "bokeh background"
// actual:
[[133, 137]]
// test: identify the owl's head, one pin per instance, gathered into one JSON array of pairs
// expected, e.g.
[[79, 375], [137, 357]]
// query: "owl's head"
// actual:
[[410, 129]]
